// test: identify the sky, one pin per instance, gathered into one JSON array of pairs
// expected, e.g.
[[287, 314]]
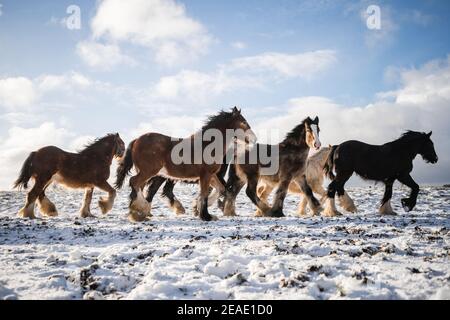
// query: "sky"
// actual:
[[137, 66]]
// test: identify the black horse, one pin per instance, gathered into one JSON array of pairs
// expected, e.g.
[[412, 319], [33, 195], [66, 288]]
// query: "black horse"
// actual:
[[386, 163]]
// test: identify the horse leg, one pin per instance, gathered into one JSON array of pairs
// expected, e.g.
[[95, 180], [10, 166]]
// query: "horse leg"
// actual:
[[345, 201], [85, 211], [330, 207], [409, 203], [153, 186], [28, 210], [252, 184], [264, 192], [308, 195], [174, 204], [205, 181], [280, 195], [106, 204], [386, 208], [234, 186], [46, 207], [139, 207]]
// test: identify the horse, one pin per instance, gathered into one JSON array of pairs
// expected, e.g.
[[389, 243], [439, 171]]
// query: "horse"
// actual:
[[293, 153], [383, 163], [314, 176], [86, 169], [152, 155], [167, 193]]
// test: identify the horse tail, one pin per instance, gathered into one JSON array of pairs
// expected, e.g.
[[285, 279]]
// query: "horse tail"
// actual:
[[25, 173], [125, 166], [329, 165]]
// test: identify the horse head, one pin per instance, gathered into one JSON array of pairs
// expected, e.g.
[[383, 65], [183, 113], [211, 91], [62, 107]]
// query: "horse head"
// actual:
[[427, 149], [312, 133]]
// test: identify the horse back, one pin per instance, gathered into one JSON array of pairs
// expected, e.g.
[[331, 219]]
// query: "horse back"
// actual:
[[372, 162]]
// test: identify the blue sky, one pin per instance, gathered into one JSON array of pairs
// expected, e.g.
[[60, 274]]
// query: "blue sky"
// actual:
[[268, 57]]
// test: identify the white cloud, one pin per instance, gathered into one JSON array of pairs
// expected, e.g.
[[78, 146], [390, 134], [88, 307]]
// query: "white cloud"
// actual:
[[239, 45], [21, 93], [302, 65], [421, 104], [102, 56], [66, 81], [175, 126], [242, 73], [17, 92], [199, 87], [161, 25], [19, 142]]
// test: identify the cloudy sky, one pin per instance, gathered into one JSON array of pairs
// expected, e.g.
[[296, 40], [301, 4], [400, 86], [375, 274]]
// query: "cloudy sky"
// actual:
[[163, 65]]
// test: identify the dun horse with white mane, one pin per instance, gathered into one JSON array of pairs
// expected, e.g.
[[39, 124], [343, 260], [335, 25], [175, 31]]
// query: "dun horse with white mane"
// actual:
[[86, 169]]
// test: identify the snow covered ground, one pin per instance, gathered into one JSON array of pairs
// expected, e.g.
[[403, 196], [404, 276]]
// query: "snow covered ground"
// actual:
[[358, 256]]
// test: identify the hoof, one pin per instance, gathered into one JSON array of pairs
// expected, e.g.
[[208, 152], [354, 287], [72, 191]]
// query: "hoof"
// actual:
[[275, 213], [302, 213], [87, 215], [178, 208], [406, 204], [105, 205], [392, 213], [208, 218], [26, 213], [331, 214], [51, 214], [134, 216], [258, 213]]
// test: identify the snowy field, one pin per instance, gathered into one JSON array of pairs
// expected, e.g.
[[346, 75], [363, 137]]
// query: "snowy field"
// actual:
[[357, 256]]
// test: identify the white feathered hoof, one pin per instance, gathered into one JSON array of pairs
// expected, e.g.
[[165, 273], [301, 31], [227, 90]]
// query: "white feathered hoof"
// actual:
[[27, 213]]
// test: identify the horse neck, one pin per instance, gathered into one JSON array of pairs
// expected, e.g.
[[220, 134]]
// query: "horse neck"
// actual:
[[102, 150], [408, 149], [298, 141], [223, 131]]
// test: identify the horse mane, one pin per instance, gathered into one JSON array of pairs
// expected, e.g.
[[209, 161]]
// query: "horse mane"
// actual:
[[410, 136], [294, 136], [93, 144], [216, 121]]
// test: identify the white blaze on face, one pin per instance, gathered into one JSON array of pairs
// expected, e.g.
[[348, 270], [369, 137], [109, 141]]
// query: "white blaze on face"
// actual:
[[315, 131]]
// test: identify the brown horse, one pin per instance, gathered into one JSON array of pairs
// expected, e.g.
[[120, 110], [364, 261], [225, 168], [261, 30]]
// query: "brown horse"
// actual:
[[87, 169], [293, 154], [153, 154]]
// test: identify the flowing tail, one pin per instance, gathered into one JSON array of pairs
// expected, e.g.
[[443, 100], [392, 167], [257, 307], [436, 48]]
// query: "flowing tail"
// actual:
[[25, 173], [125, 166], [329, 165]]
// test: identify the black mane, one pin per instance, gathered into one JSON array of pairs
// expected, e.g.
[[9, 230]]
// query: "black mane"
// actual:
[[410, 135], [216, 121], [93, 144], [296, 135]]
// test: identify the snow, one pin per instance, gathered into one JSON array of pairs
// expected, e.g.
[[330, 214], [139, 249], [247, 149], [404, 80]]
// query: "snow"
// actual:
[[357, 256]]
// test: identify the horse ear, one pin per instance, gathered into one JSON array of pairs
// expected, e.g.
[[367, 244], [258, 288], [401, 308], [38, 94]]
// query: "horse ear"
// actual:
[[429, 134], [316, 120]]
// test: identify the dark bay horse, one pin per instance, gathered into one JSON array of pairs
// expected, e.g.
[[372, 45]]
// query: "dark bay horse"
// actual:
[[385, 163], [86, 169], [153, 154], [292, 157]]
